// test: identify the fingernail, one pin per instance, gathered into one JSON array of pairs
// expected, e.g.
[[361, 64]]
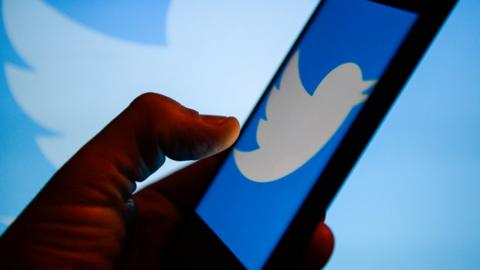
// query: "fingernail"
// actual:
[[215, 119]]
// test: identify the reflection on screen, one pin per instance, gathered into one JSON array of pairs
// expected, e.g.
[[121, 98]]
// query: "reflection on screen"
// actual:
[[296, 128]]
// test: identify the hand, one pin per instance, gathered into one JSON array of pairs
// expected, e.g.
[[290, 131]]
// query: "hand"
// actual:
[[82, 218]]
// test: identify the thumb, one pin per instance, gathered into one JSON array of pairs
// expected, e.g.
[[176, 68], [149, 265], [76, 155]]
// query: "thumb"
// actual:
[[80, 214], [136, 142]]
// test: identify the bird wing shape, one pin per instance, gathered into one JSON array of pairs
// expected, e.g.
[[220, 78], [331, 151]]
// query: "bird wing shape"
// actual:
[[297, 124], [74, 74], [78, 79]]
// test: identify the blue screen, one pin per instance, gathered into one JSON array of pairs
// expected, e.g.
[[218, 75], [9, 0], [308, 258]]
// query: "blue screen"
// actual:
[[294, 131]]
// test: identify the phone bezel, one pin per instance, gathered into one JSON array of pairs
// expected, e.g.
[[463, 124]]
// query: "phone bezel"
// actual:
[[196, 245], [431, 15]]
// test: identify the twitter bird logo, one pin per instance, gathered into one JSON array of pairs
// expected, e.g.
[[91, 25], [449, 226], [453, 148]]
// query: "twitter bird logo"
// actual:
[[69, 67], [298, 125], [77, 74]]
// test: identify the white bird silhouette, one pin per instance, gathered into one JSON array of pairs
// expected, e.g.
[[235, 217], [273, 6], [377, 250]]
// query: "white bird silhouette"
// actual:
[[79, 79], [298, 125]]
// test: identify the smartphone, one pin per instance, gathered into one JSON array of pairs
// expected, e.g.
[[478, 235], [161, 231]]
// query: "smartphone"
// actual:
[[306, 132]]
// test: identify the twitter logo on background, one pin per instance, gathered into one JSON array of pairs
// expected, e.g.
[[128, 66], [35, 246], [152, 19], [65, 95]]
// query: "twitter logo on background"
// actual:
[[90, 77], [69, 67], [298, 125]]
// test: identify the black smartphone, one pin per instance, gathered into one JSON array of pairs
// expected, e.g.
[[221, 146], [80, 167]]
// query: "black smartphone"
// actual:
[[306, 132]]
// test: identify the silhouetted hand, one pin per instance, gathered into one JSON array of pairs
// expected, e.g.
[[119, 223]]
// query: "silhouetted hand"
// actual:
[[82, 218]]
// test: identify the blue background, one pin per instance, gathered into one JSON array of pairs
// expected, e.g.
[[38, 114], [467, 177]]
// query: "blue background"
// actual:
[[412, 200], [23, 168], [250, 217]]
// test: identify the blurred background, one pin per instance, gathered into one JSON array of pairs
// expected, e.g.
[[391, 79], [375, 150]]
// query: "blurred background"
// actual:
[[68, 67]]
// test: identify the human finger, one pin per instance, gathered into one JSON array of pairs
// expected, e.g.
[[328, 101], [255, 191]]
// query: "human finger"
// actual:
[[319, 249]]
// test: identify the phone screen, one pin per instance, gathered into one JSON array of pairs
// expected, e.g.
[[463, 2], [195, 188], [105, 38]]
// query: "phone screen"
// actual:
[[295, 129]]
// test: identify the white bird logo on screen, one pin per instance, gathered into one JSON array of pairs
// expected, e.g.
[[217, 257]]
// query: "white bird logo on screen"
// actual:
[[78, 79], [298, 125]]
